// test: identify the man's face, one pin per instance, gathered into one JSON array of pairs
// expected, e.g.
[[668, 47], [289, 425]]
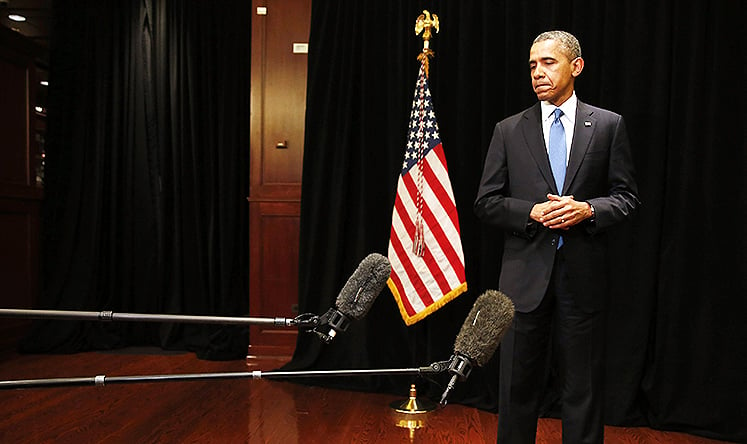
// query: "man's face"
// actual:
[[552, 73]]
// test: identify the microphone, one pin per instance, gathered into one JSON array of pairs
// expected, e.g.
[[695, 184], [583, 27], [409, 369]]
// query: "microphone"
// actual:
[[356, 297], [482, 331]]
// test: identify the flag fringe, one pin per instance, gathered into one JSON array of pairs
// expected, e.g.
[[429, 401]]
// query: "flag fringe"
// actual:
[[409, 320]]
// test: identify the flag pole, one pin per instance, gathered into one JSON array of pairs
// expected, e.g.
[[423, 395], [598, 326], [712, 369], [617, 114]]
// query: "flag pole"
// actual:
[[413, 407]]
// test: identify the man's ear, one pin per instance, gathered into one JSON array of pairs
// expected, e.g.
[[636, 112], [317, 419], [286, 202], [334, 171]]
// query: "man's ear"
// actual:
[[577, 65]]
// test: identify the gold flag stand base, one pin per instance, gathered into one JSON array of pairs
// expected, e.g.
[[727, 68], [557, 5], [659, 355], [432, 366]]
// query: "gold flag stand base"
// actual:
[[413, 405], [411, 413]]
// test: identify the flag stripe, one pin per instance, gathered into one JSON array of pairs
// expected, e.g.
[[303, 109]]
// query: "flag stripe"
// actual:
[[442, 192], [437, 232], [411, 264], [444, 189], [428, 260], [446, 234], [405, 301], [407, 269]]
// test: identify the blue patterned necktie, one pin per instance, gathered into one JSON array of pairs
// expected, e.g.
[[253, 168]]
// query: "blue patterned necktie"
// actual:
[[557, 153]]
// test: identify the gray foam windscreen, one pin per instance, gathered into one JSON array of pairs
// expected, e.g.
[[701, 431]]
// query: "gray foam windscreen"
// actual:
[[363, 286], [482, 331]]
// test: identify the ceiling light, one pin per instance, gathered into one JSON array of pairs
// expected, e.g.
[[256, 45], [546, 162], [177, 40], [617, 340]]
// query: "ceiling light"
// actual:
[[17, 18], [44, 83]]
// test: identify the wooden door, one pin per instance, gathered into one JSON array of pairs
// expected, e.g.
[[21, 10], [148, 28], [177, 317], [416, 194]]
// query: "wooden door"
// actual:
[[280, 32]]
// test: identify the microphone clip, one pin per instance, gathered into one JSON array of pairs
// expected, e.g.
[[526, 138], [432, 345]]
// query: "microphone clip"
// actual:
[[305, 321], [435, 367], [460, 366], [331, 323]]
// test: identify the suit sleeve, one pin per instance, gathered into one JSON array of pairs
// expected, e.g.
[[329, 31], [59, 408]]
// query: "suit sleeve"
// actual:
[[494, 204], [622, 199]]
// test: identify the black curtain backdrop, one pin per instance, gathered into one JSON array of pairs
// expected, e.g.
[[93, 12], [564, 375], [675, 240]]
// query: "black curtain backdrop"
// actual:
[[674, 69], [147, 173]]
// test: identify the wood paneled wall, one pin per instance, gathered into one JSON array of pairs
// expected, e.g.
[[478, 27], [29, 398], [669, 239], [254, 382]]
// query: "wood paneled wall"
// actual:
[[20, 193]]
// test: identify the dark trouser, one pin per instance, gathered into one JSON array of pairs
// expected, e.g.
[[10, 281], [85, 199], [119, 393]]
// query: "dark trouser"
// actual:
[[579, 343]]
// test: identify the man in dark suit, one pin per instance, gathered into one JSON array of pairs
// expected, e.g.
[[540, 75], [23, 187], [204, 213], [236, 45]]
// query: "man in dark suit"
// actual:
[[556, 176]]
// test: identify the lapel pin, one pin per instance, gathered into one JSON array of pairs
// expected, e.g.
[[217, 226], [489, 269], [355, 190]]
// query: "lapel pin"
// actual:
[[587, 123]]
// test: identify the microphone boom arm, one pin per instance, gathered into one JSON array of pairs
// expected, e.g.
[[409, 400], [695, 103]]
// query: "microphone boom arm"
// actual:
[[101, 380], [302, 321]]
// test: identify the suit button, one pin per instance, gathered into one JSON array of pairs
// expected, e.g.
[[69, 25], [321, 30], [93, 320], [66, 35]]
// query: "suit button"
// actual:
[[553, 242]]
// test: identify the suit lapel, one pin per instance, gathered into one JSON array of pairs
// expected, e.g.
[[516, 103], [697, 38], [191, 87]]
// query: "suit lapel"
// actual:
[[584, 128], [532, 130]]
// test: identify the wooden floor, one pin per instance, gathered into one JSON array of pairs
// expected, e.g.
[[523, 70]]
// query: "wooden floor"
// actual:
[[230, 410]]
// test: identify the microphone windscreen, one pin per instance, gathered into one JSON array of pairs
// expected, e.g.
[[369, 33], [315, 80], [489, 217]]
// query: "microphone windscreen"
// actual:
[[365, 284], [484, 327]]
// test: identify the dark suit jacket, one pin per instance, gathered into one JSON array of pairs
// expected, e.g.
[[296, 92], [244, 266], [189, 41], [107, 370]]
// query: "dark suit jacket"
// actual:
[[517, 175]]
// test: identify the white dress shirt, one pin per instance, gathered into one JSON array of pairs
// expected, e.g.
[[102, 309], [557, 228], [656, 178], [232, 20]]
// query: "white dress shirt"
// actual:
[[568, 119]]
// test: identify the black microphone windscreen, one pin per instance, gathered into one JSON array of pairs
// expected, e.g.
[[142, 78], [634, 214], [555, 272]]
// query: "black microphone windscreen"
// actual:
[[363, 286], [484, 327]]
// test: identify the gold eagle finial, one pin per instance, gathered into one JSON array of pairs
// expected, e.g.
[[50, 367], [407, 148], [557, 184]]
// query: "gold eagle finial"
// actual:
[[424, 23]]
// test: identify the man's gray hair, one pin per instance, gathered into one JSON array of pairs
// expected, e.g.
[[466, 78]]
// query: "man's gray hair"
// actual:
[[567, 41]]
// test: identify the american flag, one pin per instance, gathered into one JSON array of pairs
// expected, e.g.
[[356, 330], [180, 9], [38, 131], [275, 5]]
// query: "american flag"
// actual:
[[425, 249]]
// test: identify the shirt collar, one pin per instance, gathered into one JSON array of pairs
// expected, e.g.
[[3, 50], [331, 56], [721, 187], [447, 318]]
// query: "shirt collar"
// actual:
[[568, 107]]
